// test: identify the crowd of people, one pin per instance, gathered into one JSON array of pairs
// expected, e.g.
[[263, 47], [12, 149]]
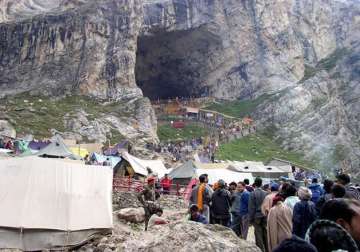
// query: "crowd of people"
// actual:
[[6, 144], [184, 150], [179, 150], [285, 218], [13, 145], [205, 147]]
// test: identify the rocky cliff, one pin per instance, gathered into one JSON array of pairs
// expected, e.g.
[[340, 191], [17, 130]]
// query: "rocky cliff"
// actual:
[[122, 49], [88, 50], [228, 49], [320, 116]]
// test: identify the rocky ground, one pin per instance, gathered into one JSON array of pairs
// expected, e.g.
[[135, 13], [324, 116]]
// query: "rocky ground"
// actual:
[[128, 199], [79, 118], [178, 235]]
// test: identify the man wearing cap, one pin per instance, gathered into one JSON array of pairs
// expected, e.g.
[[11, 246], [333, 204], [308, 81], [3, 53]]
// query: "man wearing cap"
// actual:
[[149, 193], [147, 197], [304, 213], [268, 201]]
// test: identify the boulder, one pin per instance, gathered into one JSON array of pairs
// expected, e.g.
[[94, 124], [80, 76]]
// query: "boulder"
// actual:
[[134, 215], [188, 236], [6, 129]]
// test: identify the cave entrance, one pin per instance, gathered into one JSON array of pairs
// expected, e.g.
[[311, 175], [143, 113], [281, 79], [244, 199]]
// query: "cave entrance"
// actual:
[[173, 64]]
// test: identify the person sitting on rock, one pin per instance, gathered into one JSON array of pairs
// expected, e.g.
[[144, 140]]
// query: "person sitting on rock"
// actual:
[[196, 216], [156, 219]]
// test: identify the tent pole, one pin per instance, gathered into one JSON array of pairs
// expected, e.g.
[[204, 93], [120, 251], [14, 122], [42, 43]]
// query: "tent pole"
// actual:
[[67, 239], [21, 238]]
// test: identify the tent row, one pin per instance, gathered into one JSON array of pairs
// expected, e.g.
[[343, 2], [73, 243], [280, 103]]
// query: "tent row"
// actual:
[[228, 171], [131, 165], [24, 147], [56, 148]]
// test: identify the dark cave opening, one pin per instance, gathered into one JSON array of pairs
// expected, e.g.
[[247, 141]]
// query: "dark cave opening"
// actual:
[[173, 64]]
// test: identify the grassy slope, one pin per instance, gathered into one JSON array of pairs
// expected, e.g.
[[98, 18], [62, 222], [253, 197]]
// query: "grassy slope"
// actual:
[[40, 113], [167, 132], [258, 148], [238, 108], [327, 64]]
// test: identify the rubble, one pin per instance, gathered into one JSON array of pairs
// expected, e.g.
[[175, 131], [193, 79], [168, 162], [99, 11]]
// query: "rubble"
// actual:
[[128, 199], [177, 236]]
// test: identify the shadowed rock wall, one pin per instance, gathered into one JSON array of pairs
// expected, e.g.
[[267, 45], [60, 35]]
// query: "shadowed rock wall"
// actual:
[[88, 50], [90, 46]]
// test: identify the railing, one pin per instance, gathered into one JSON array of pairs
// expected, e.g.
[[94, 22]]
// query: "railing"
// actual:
[[128, 184]]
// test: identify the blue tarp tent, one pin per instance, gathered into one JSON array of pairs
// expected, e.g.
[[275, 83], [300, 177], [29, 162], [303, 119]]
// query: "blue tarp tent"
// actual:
[[101, 158], [113, 151]]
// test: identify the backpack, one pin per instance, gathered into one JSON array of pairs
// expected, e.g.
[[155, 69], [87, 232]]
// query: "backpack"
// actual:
[[316, 194]]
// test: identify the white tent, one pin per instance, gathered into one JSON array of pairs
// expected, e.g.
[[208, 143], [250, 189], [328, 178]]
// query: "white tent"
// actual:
[[227, 175], [216, 171], [57, 148], [54, 195], [140, 165]]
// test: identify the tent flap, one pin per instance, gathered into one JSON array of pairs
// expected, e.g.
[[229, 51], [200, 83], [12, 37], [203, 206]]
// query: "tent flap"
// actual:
[[140, 165], [186, 170], [45, 193]]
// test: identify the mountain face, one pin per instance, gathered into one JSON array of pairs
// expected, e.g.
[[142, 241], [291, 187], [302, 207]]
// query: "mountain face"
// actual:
[[227, 49], [320, 116], [303, 51]]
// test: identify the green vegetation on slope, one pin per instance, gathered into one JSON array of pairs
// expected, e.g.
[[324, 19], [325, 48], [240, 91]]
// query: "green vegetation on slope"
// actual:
[[239, 108], [166, 132], [258, 147], [327, 64], [38, 114]]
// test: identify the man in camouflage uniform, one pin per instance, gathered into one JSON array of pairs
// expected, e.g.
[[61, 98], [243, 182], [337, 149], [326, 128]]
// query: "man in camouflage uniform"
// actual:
[[148, 197]]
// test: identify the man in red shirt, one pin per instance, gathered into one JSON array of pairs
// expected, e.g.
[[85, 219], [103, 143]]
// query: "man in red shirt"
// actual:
[[166, 184]]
